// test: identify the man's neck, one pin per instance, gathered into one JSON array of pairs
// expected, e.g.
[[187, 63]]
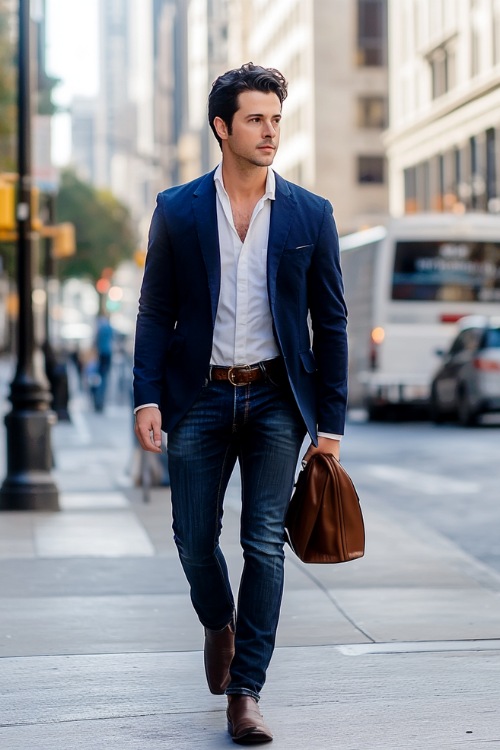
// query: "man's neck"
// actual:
[[244, 184]]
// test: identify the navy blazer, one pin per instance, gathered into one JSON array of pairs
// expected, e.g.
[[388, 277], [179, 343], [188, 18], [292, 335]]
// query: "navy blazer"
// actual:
[[180, 292]]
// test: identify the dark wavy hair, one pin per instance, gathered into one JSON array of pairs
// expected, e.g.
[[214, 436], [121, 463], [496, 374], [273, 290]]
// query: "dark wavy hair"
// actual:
[[223, 97]]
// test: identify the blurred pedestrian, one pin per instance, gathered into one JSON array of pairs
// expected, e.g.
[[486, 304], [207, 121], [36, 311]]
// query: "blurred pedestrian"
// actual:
[[225, 365], [104, 348]]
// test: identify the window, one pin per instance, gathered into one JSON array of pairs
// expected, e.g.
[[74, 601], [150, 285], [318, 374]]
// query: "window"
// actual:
[[491, 173], [477, 22], [442, 65], [466, 341], [372, 32], [371, 169], [492, 338], [410, 180], [447, 271], [372, 112]]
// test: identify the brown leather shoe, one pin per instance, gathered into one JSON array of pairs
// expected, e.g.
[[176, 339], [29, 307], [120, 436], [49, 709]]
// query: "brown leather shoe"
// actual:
[[218, 655], [245, 723]]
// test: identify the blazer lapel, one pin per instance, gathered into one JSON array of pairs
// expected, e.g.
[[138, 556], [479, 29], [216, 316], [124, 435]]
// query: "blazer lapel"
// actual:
[[281, 218], [204, 208]]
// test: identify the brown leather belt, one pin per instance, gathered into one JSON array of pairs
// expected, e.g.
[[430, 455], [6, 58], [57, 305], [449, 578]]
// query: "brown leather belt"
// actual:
[[245, 374]]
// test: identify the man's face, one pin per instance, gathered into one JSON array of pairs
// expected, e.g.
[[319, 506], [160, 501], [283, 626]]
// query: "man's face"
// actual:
[[255, 130]]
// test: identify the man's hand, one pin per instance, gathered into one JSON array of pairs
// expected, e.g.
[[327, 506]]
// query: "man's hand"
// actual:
[[148, 428], [325, 445]]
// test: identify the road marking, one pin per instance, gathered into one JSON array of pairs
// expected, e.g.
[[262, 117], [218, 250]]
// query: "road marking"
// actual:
[[417, 647], [429, 484]]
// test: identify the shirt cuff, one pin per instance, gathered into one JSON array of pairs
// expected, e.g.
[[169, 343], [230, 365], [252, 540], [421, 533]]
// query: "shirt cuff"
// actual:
[[330, 435], [143, 406]]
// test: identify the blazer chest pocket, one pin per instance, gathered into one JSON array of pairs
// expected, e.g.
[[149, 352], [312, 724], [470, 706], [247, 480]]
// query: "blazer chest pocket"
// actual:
[[304, 250]]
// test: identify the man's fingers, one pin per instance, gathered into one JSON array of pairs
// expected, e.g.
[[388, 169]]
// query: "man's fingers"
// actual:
[[148, 429], [155, 436], [325, 445]]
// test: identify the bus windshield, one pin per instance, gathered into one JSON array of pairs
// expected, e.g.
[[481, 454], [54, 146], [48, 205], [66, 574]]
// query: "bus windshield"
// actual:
[[446, 271]]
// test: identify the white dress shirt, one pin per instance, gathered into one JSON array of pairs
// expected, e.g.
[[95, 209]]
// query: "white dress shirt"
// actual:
[[243, 332]]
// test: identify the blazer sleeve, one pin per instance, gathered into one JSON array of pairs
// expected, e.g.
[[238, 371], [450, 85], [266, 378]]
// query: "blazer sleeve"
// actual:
[[157, 313], [329, 325]]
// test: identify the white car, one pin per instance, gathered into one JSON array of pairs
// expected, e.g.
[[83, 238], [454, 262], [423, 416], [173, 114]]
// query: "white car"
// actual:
[[467, 384]]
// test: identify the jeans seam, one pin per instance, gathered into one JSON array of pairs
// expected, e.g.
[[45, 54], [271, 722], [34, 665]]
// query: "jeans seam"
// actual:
[[235, 409], [219, 509], [247, 405]]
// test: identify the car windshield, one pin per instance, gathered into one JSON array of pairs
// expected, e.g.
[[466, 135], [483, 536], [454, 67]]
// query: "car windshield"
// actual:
[[492, 339]]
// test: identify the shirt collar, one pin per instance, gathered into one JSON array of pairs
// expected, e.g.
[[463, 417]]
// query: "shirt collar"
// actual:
[[270, 183]]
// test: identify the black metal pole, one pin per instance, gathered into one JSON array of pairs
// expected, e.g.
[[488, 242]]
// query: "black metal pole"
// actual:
[[55, 362], [48, 264], [28, 484]]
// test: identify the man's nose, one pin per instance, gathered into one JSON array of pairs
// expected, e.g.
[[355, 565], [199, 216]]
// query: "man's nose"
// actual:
[[269, 129]]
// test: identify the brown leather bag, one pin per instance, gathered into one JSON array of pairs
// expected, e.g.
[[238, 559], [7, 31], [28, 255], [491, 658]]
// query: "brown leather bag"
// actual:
[[324, 523]]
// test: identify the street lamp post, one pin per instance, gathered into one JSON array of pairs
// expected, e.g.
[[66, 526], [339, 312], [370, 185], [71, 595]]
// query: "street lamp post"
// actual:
[[29, 484]]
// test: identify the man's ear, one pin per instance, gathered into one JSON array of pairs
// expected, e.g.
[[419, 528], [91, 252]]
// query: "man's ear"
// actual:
[[221, 128]]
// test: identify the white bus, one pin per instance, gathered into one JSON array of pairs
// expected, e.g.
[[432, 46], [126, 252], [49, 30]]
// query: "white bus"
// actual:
[[407, 284]]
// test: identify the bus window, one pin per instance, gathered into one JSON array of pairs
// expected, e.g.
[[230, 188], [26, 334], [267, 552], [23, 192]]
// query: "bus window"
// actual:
[[446, 271]]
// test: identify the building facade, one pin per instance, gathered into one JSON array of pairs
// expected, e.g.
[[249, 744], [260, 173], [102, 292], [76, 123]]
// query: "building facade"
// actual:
[[158, 59], [167, 101], [83, 138], [443, 144], [204, 57], [333, 54], [127, 161]]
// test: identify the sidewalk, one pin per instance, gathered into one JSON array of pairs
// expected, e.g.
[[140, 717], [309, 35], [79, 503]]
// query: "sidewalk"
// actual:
[[100, 648]]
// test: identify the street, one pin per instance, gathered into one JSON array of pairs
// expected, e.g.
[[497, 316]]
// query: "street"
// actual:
[[447, 476]]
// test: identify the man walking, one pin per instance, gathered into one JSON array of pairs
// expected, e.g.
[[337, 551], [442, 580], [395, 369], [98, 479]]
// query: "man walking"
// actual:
[[241, 265]]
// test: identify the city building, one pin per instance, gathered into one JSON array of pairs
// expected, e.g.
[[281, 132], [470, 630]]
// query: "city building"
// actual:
[[83, 138], [126, 156], [205, 23], [127, 140], [168, 35], [443, 141], [333, 54]]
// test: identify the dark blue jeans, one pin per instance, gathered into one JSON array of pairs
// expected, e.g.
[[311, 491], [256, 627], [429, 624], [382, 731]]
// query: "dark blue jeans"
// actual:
[[260, 426]]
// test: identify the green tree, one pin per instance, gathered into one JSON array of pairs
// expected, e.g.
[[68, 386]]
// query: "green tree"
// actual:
[[104, 231], [7, 89]]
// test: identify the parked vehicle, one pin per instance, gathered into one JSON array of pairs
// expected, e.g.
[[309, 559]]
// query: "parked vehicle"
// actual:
[[467, 384], [407, 284]]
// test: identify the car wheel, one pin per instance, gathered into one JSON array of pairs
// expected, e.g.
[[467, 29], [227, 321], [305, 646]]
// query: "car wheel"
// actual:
[[467, 416], [436, 414]]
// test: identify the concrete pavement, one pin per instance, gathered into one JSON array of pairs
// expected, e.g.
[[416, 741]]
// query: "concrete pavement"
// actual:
[[100, 648]]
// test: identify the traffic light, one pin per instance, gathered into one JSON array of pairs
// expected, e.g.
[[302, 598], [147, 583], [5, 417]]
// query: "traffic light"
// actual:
[[7, 206], [36, 222], [114, 299], [64, 243], [8, 219], [103, 285]]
